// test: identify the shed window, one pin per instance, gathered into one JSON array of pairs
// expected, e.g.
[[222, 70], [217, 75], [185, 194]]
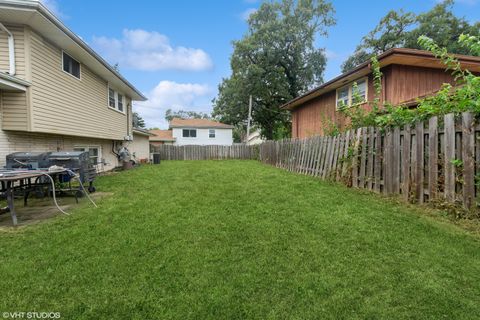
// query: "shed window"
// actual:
[[189, 133], [351, 94], [342, 96], [71, 65], [361, 91], [211, 133]]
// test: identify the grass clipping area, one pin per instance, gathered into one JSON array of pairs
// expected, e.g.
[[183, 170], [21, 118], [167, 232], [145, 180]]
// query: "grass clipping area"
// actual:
[[237, 240]]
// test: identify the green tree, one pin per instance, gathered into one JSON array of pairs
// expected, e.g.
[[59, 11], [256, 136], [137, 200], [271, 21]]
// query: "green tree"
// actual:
[[138, 121], [402, 29], [275, 61], [183, 114]]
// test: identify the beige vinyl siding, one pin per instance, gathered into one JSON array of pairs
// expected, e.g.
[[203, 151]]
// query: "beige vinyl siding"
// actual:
[[19, 38], [14, 105], [140, 146], [63, 104], [14, 110], [12, 141]]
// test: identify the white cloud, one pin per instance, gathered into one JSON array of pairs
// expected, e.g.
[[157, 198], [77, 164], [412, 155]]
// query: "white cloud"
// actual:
[[52, 5], [246, 14], [150, 51], [330, 54], [172, 95]]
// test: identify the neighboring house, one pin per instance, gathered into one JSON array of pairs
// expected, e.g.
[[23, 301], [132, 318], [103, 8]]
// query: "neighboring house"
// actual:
[[254, 138], [408, 74], [56, 92], [160, 137], [140, 146], [201, 132]]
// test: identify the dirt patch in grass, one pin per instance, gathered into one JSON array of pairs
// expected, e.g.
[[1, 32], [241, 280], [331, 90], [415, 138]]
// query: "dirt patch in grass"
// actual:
[[38, 210]]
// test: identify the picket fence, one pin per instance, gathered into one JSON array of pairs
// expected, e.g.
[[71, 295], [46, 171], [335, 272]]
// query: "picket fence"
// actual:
[[213, 152], [434, 159]]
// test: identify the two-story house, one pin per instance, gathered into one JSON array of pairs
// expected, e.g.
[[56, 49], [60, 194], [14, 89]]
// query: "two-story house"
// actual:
[[408, 74], [200, 132], [56, 93]]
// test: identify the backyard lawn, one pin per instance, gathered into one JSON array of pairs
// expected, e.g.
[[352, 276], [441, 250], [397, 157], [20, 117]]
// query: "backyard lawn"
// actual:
[[239, 240]]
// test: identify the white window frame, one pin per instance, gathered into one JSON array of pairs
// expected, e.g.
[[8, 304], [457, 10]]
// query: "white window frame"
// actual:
[[189, 129], [350, 93], [79, 66], [122, 102], [87, 148], [214, 133], [114, 98], [115, 95]]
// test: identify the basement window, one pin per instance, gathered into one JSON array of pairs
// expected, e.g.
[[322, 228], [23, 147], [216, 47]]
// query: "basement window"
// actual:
[[351, 95], [189, 133], [93, 152], [71, 65], [211, 133]]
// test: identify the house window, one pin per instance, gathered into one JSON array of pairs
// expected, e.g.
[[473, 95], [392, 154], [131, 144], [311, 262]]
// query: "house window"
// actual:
[[93, 151], [116, 100], [120, 102], [71, 65], [211, 133], [111, 98], [352, 94], [189, 133]]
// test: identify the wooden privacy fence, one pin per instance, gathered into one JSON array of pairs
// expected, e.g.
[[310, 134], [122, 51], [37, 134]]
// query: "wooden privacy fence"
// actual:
[[213, 152], [438, 158]]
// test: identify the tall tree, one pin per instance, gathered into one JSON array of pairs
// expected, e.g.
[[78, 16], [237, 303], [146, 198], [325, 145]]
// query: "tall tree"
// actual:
[[274, 62], [138, 121], [183, 114], [402, 29]]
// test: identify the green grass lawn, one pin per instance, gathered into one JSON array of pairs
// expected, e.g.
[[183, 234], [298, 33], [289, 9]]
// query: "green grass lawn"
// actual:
[[237, 240]]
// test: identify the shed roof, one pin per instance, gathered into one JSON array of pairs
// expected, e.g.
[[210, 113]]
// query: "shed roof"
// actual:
[[161, 135], [143, 132]]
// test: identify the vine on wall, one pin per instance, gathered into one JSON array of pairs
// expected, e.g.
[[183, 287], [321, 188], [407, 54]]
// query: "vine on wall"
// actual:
[[462, 97]]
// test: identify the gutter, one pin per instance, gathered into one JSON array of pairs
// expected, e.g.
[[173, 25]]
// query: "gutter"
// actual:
[[11, 50]]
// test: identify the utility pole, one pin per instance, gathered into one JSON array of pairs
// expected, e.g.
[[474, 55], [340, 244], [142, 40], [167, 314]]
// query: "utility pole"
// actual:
[[249, 117]]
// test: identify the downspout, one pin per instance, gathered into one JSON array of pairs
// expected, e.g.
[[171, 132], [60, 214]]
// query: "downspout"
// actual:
[[11, 50], [129, 107]]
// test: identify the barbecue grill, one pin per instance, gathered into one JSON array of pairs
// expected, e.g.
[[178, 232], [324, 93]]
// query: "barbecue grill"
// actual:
[[27, 160], [77, 161]]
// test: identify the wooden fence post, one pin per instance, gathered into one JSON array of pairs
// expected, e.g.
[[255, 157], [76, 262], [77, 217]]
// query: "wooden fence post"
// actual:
[[449, 144], [432, 158], [468, 148], [419, 172]]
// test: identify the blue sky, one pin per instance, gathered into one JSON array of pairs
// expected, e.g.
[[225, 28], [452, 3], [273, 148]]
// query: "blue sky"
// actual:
[[177, 52]]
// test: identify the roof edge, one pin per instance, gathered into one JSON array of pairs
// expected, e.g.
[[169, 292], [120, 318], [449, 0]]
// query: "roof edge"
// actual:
[[42, 9], [403, 51], [224, 126], [142, 132]]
